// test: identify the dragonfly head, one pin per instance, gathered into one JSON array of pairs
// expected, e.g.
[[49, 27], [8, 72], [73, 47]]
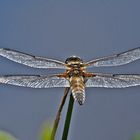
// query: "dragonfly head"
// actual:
[[74, 60]]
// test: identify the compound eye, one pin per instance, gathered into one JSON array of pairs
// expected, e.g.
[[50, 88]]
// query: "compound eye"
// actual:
[[73, 59], [67, 60]]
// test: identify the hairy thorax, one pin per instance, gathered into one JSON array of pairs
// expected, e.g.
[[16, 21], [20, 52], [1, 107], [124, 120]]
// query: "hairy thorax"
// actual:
[[75, 73]]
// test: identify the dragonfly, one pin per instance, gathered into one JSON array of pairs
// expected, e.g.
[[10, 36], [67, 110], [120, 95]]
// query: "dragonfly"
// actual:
[[75, 75]]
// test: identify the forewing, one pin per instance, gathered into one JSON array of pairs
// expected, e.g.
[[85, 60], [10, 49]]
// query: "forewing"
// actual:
[[35, 81], [116, 60], [29, 60], [113, 80]]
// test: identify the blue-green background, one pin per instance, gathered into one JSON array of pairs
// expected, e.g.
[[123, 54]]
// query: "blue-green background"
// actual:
[[58, 29]]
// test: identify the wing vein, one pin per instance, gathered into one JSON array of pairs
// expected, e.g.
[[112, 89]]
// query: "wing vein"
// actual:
[[30, 60], [35, 81], [113, 80], [116, 60]]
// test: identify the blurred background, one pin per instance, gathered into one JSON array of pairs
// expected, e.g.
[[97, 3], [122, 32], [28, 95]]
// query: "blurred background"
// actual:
[[59, 29]]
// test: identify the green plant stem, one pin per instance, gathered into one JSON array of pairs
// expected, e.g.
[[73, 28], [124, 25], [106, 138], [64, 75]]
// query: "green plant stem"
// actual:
[[58, 115], [68, 118]]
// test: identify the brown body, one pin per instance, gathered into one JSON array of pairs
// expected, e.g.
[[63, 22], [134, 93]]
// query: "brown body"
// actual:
[[75, 74], [78, 88]]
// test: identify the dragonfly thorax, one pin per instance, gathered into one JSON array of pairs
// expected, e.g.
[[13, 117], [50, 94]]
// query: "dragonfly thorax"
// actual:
[[75, 66], [72, 73]]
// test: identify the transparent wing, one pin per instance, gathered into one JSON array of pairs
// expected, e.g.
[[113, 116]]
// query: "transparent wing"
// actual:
[[29, 60], [35, 81], [113, 80], [116, 60]]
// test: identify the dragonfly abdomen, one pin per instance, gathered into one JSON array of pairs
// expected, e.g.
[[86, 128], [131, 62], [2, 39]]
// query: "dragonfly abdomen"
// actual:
[[78, 89]]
